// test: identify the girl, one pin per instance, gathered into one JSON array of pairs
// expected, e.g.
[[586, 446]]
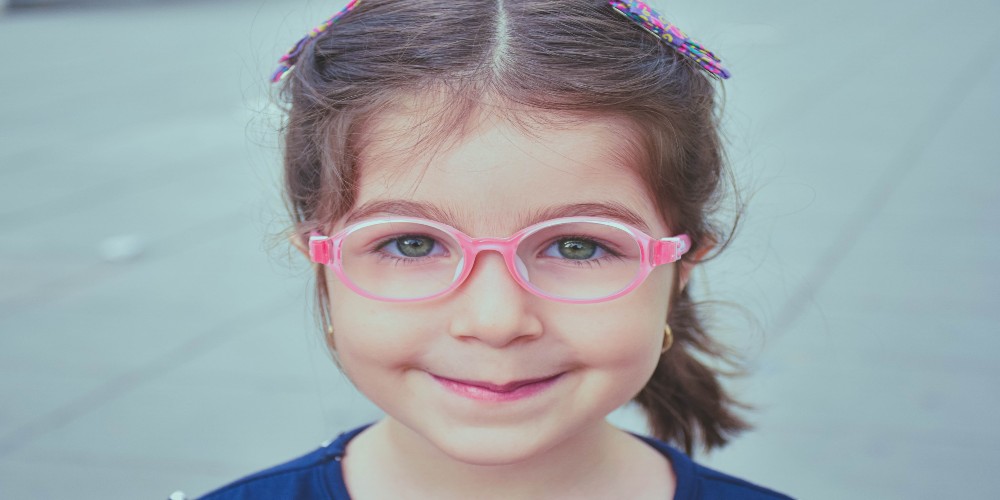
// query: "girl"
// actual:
[[504, 200]]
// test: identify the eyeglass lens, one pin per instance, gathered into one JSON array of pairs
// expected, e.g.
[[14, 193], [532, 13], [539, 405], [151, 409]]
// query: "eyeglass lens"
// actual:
[[410, 260]]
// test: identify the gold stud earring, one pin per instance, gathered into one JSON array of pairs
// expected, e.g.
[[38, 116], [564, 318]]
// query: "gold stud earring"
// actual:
[[329, 337], [668, 339]]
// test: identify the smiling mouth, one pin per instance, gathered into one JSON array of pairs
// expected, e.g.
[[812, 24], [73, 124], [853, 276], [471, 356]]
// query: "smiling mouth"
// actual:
[[487, 391]]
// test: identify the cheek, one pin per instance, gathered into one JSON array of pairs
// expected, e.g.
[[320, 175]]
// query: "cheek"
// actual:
[[634, 325], [624, 334], [368, 334]]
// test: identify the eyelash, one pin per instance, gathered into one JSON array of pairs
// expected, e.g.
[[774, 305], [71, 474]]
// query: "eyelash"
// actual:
[[610, 253], [382, 255]]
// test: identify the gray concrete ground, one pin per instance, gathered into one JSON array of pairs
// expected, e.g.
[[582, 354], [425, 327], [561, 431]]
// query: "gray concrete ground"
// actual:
[[153, 337]]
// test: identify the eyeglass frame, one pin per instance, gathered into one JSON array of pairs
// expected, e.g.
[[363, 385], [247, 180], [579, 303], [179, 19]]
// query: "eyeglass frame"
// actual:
[[653, 252]]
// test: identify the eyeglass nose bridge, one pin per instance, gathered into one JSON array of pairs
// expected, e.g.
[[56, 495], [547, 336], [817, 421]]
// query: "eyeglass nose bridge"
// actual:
[[506, 247]]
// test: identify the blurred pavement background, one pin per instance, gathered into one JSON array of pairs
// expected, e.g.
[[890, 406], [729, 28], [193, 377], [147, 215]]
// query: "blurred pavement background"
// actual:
[[156, 336]]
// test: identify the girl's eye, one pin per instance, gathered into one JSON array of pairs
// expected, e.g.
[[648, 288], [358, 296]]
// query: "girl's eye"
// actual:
[[412, 246], [575, 249]]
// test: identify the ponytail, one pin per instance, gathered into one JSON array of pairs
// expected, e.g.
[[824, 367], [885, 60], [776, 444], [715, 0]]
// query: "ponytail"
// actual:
[[684, 400]]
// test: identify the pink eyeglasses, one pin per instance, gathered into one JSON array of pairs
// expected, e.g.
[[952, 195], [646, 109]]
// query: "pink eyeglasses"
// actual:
[[572, 259]]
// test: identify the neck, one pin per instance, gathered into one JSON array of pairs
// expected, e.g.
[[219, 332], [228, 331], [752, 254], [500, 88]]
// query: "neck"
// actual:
[[578, 467]]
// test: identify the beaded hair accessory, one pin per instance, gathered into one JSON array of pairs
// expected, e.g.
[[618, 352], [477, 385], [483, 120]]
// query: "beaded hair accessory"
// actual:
[[287, 61], [648, 19], [636, 10]]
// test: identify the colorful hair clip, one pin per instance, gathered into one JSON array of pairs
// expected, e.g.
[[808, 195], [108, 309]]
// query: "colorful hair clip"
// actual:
[[288, 60], [650, 20]]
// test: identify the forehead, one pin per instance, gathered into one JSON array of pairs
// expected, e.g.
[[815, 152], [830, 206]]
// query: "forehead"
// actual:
[[492, 173]]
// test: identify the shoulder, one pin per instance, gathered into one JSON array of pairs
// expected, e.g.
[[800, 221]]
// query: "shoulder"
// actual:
[[714, 484], [316, 474], [695, 481]]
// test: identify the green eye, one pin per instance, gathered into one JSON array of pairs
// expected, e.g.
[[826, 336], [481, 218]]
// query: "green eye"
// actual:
[[577, 249], [415, 246]]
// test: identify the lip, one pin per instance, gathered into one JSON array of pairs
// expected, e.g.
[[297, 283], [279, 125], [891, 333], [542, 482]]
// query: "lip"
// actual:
[[488, 391]]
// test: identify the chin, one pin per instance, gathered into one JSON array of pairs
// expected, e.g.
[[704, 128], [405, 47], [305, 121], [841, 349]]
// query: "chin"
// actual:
[[490, 446]]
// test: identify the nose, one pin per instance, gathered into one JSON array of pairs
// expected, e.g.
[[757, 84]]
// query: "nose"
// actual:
[[491, 306]]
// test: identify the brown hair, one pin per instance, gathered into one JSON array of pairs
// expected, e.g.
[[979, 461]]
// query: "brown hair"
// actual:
[[568, 57]]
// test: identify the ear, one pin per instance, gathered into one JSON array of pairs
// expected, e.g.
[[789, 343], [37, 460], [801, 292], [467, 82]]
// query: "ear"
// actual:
[[299, 243], [688, 265]]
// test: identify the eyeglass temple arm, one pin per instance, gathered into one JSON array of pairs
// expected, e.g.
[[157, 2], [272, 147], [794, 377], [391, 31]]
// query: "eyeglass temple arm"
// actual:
[[319, 248], [667, 250]]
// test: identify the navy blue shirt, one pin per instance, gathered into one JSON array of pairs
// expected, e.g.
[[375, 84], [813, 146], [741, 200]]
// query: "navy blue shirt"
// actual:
[[318, 475]]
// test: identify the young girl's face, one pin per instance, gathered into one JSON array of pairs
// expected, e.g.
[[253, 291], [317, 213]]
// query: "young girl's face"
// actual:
[[489, 182]]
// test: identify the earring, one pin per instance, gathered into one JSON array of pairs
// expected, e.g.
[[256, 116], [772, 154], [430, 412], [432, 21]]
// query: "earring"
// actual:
[[329, 337], [668, 339]]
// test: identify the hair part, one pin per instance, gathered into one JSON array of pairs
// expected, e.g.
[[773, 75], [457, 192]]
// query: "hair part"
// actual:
[[560, 59]]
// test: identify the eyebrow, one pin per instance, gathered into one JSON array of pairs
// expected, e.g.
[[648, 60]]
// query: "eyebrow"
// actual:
[[408, 208], [608, 210], [404, 208]]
